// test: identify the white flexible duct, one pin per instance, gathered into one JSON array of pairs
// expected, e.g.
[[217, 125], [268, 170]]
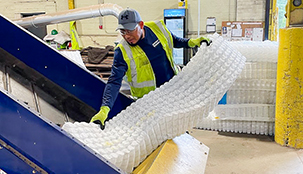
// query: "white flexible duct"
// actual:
[[71, 15]]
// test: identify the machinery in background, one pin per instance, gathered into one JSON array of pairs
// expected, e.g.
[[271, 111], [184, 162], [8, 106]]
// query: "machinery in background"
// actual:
[[294, 13]]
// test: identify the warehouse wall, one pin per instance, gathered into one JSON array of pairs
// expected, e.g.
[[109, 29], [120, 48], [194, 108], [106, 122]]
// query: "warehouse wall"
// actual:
[[153, 10], [12, 9], [245, 12], [91, 35]]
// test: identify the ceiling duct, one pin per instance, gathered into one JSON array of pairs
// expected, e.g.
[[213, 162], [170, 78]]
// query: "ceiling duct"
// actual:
[[71, 15]]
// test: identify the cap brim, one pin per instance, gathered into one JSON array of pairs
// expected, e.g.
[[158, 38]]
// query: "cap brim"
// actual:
[[128, 26]]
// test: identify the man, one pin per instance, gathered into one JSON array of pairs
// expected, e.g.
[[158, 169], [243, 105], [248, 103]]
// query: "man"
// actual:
[[145, 56]]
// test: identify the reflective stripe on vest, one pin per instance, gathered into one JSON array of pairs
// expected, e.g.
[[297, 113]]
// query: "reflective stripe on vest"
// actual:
[[133, 69], [168, 37]]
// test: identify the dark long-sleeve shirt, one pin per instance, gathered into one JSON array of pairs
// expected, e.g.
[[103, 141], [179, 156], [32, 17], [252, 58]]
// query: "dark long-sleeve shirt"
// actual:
[[157, 57]]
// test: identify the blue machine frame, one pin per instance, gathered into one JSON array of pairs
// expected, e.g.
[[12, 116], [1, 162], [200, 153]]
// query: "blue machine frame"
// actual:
[[47, 61], [43, 143], [10, 163], [39, 141]]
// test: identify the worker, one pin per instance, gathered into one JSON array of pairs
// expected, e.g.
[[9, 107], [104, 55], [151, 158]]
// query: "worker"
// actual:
[[145, 56]]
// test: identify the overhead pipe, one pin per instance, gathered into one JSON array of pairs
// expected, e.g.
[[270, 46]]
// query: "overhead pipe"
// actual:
[[71, 15]]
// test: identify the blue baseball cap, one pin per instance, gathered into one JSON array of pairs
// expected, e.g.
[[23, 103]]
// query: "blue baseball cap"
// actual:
[[128, 19]]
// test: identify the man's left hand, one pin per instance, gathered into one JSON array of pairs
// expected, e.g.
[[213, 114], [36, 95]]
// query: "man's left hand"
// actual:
[[197, 42]]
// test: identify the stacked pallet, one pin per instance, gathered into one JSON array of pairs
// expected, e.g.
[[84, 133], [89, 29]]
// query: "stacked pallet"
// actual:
[[101, 68]]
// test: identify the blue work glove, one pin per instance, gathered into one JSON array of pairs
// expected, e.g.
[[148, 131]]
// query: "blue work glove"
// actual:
[[197, 42], [101, 116]]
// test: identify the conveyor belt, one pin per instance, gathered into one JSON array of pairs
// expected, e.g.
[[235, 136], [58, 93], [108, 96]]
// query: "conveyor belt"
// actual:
[[36, 78], [74, 86], [43, 143]]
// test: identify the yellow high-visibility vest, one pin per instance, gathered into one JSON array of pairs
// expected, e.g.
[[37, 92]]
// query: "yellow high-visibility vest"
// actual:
[[140, 74]]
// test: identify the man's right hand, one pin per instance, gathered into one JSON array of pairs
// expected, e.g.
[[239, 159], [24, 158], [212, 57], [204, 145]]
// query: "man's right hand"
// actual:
[[101, 116]]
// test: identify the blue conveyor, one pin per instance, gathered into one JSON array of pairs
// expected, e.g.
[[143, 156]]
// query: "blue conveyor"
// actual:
[[52, 66], [44, 144], [30, 142], [10, 163]]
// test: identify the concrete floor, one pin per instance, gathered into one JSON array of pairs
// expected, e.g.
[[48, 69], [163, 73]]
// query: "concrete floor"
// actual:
[[232, 153]]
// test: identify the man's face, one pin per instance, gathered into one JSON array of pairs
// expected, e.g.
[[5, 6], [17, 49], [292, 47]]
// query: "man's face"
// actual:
[[133, 36]]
